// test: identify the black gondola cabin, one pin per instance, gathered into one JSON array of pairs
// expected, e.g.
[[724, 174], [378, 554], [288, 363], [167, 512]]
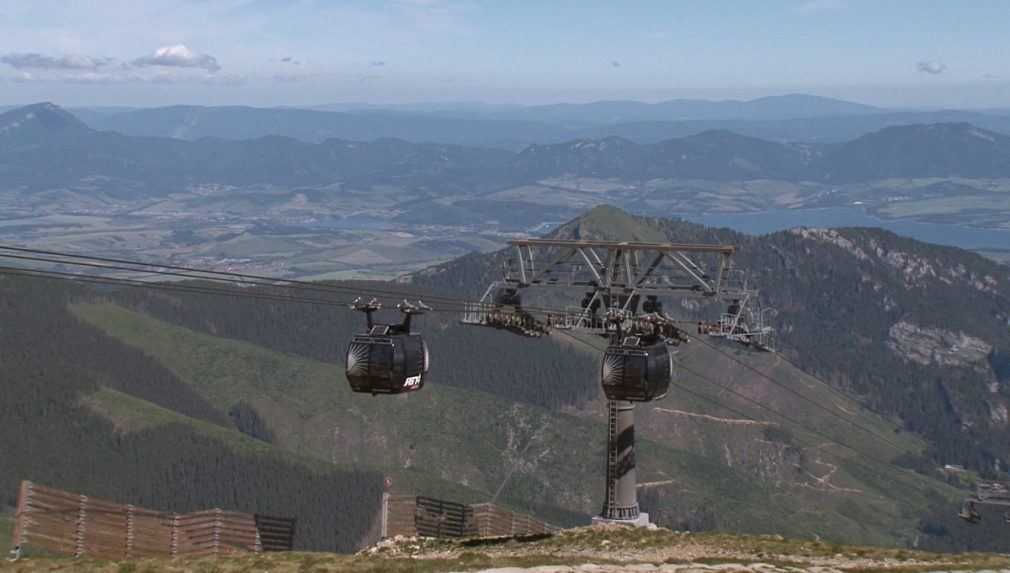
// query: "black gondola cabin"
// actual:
[[383, 362], [635, 372]]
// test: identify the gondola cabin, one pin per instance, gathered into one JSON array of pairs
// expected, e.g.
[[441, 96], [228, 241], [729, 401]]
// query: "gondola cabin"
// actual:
[[635, 372], [387, 359], [383, 363]]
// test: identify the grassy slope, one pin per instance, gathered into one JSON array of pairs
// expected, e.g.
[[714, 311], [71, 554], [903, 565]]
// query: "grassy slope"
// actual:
[[131, 414], [859, 494], [550, 459], [609, 549], [849, 424]]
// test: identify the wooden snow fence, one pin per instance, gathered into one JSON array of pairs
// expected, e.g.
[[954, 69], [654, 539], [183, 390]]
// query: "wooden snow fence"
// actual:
[[491, 520], [412, 516], [67, 523]]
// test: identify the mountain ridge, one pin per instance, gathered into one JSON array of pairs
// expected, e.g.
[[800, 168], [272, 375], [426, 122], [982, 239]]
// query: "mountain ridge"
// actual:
[[788, 106], [26, 152], [37, 123], [505, 126]]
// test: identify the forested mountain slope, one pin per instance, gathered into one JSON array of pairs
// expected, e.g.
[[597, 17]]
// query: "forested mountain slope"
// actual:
[[521, 421], [56, 370], [917, 331], [510, 442], [498, 417]]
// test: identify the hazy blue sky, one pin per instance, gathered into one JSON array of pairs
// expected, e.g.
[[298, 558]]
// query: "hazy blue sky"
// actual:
[[267, 52]]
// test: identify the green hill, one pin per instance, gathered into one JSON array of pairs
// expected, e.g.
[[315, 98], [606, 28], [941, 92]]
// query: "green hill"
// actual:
[[549, 462]]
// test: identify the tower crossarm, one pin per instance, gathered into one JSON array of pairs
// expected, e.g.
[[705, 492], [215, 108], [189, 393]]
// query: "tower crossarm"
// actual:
[[618, 285], [644, 268]]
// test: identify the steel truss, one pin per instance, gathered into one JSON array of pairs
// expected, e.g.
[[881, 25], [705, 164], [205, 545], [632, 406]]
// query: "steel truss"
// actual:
[[616, 277], [643, 268]]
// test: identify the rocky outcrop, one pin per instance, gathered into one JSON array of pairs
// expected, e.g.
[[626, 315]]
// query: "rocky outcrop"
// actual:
[[930, 345], [833, 237], [914, 269]]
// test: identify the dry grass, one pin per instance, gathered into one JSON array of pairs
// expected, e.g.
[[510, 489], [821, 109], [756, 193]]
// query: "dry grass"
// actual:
[[608, 547]]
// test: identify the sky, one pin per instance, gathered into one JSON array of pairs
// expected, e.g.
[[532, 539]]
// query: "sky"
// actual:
[[896, 53]]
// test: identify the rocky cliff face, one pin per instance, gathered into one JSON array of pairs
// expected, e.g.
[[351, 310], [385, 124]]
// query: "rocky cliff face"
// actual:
[[938, 346]]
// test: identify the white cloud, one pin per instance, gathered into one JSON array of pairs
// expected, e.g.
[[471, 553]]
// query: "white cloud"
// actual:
[[34, 61], [171, 64], [931, 67], [179, 56]]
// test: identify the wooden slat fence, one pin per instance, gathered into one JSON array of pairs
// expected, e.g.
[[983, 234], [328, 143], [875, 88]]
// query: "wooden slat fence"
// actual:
[[67, 523], [439, 518], [400, 511], [491, 520], [276, 533], [412, 516]]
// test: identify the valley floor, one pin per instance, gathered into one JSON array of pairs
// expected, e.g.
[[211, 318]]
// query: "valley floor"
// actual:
[[597, 549]]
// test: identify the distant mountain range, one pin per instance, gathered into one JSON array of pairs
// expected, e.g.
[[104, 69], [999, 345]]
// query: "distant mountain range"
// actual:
[[43, 146], [719, 155], [788, 118], [935, 150], [196, 122], [828, 129], [610, 112], [603, 112]]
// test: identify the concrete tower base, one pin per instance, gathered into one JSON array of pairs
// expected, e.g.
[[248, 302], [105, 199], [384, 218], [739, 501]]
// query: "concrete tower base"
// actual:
[[641, 521]]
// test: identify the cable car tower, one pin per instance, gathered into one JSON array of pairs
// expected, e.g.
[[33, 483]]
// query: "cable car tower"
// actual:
[[623, 286]]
